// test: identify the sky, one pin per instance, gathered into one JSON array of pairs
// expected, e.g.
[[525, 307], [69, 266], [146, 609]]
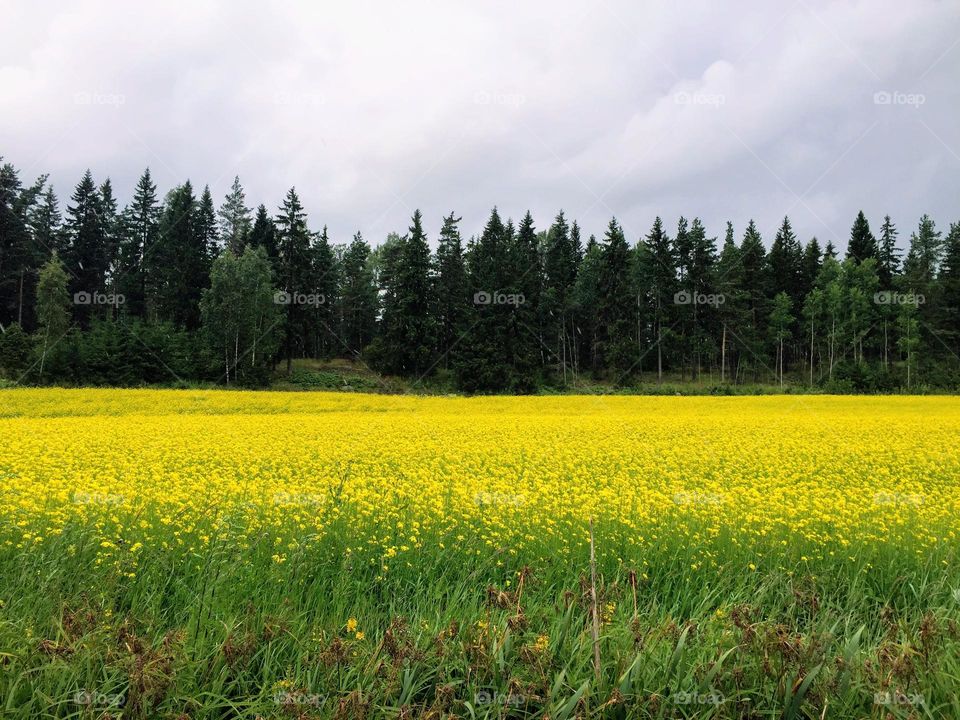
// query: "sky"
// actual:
[[726, 111]]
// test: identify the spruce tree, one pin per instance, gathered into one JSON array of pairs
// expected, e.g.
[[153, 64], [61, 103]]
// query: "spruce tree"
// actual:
[[141, 220], [87, 259], [406, 340], [587, 298], [615, 349], [234, 218], [659, 273], [450, 289], [264, 234], [293, 243], [728, 281], [755, 286], [482, 365], [810, 266], [323, 281], [888, 254], [525, 278], [785, 261], [206, 228], [560, 272], [357, 296], [862, 244]]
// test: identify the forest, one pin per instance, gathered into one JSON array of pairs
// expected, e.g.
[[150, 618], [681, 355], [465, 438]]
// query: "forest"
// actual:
[[181, 289]]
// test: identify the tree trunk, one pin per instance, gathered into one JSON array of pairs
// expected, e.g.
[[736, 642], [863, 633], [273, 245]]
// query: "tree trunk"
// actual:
[[723, 355]]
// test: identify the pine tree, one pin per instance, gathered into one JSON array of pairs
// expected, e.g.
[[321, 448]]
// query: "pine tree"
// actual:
[[293, 242], [323, 281], [755, 286], [234, 217], [87, 259], [264, 234], [407, 337], [615, 348], [524, 279], [560, 272], [785, 261], [888, 254], [358, 297], [587, 298], [862, 243], [206, 228], [658, 271], [728, 281], [178, 264], [44, 236], [450, 289], [948, 321], [141, 222], [810, 266], [701, 274], [923, 258], [112, 233], [482, 365]]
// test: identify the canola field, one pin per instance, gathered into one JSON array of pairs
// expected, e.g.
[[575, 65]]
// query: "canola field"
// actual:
[[201, 554]]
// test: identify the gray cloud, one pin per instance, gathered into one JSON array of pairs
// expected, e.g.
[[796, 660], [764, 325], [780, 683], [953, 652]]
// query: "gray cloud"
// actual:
[[728, 111]]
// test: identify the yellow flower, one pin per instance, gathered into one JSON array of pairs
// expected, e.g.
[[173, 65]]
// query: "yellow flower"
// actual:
[[351, 624]]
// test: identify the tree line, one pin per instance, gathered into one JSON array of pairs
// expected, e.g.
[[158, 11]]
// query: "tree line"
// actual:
[[181, 288]]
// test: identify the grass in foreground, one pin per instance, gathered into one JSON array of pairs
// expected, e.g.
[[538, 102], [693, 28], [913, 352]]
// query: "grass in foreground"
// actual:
[[222, 554]]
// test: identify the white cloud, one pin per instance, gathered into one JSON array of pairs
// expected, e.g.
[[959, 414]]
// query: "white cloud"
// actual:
[[723, 111]]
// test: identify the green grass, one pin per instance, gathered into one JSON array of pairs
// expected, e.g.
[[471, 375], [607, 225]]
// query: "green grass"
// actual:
[[229, 633]]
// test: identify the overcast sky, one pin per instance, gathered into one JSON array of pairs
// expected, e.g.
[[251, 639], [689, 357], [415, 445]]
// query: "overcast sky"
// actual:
[[724, 110]]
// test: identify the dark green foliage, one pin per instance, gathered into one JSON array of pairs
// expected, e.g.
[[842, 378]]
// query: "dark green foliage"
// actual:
[[357, 302], [406, 344], [516, 310], [862, 244], [451, 293]]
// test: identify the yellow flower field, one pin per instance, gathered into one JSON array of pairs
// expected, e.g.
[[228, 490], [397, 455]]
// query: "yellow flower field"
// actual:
[[831, 475], [209, 554]]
